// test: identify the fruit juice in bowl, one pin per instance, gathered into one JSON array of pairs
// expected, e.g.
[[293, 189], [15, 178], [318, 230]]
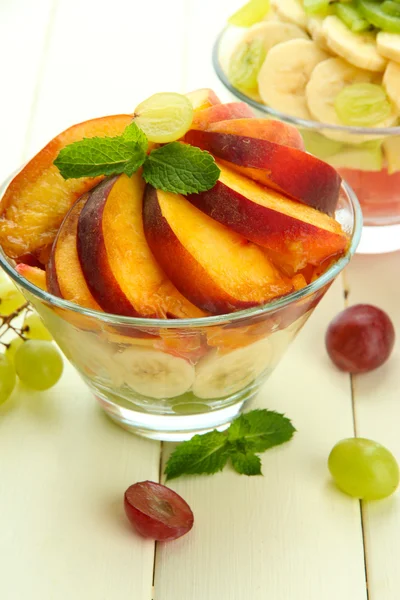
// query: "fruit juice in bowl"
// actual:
[[172, 280], [332, 69]]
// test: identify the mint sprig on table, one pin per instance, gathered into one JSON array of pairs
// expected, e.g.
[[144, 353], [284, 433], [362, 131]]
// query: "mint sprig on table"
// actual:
[[248, 435], [176, 167]]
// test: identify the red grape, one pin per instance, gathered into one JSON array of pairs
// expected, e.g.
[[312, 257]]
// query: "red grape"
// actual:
[[360, 338], [157, 512]]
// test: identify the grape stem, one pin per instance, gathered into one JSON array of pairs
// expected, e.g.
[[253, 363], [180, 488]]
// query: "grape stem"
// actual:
[[7, 323]]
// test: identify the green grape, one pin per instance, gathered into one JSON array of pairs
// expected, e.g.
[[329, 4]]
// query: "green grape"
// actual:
[[250, 14], [362, 104], [10, 297], [164, 117], [363, 469], [39, 364], [245, 64], [391, 8], [316, 7], [7, 378], [34, 328], [373, 12], [13, 347], [350, 15]]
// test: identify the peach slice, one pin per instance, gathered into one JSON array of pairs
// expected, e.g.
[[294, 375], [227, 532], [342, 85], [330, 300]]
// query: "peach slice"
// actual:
[[216, 268], [288, 170], [64, 274], [116, 260], [38, 198], [202, 119], [203, 98], [262, 129], [294, 234], [33, 275]]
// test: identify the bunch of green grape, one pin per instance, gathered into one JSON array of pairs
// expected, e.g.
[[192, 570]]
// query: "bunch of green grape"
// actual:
[[30, 355]]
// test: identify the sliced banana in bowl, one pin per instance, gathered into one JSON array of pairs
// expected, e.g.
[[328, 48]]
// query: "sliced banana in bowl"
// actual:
[[222, 374], [272, 33], [391, 82], [291, 10]]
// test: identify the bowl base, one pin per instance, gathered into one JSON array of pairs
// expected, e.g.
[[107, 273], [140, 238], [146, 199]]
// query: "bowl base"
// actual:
[[379, 239], [173, 428]]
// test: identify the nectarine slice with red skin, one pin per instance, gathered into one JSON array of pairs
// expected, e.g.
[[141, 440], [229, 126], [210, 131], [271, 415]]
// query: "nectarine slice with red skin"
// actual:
[[38, 198], [119, 268], [295, 234], [290, 171], [64, 273], [262, 129], [202, 119], [34, 275], [214, 267], [203, 98]]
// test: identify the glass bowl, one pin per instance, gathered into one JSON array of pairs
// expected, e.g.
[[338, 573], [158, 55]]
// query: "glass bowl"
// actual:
[[170, 379], [355, 152]]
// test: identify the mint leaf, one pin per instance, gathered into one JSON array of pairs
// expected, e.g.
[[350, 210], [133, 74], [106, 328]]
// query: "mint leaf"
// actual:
[[96, 156], [259, 430], [181, 169], [246, 463], [206, 453], [133, 134]]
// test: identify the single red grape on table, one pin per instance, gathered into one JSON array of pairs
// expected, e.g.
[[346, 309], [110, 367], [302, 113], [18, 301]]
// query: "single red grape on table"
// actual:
[[360, 339], [157, 512]]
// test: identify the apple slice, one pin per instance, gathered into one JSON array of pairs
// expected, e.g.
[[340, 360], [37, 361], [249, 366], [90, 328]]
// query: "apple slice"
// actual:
[[38, 198], [33, 275], [116, 260], [64, 274], [295, 234], [217, 269], [203, 98], [288, 170], [202, 119], [262, 129]]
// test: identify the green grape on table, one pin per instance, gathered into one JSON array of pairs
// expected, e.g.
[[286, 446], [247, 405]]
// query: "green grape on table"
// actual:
[[250, 14], [245, 64], [362, 104], [10, 297], [164, 117], [34, 329], [39, 364], [7, 378], [12, 348], [364, 469]]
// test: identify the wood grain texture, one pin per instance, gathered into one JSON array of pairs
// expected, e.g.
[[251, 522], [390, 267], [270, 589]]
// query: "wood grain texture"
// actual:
[[374, 280]]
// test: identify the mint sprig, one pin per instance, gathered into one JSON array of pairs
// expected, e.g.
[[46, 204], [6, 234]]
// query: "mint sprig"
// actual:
[[176, 167], [247, 436]]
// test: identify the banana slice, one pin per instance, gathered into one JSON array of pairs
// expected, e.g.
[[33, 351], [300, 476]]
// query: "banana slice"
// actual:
[[391, 82], [219, 375], [284, 74], [272, 33], [359, 49], [314, 28], [155, 374], [291, 10], [388, 45], [326, 81]]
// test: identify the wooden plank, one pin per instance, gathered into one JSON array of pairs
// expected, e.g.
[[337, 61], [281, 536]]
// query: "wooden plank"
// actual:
[[23, 36], [289, 534], [374, 280], [64, 468]]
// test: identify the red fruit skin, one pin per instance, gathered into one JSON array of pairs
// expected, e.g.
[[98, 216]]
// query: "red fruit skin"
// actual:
[[360, 338], [157, 512]]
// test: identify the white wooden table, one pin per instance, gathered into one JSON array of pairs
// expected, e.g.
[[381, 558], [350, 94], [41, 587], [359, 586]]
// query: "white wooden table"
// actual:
[[289, 535]]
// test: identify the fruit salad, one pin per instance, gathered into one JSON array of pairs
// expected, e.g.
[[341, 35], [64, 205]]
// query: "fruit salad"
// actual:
[[334, 66], [157, 228]]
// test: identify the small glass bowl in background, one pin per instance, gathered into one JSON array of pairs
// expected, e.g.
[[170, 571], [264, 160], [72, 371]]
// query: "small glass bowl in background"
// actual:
[[170, 379], [358, 159]]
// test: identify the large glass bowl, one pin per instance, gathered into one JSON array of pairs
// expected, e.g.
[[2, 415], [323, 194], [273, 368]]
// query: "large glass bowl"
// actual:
[[354, 151], [169, 379]]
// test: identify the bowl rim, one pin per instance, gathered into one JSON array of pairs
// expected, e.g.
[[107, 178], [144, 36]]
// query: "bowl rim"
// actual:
[[237, 316], [296, 121]]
